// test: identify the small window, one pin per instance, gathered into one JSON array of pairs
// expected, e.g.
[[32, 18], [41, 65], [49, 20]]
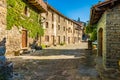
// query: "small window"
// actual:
[[52, 16], [47, 38], [64, 39], [46, 24], [58, 27], [64, 28], [26, 11], [46, 13], [69, 30], [52, 26]]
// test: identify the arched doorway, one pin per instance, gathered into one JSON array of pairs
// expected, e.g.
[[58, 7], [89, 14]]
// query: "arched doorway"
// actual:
[[100, 42]]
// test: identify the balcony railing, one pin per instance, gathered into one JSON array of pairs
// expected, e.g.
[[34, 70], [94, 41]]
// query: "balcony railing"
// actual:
[[39, 4]]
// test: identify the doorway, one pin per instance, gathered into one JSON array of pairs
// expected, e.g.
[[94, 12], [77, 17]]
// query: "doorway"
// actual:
[[24, 38], [58, 39], [53, 40], [68, 40], [100, 42]]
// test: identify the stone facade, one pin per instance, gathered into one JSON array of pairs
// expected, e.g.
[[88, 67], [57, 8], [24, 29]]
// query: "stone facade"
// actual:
[[113, 36], [102, 25], [3, 11], [108, 29], [14, 35], [60, 29]]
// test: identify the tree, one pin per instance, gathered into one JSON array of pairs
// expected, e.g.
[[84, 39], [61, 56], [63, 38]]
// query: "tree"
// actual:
[[91, 30], [78, 19]]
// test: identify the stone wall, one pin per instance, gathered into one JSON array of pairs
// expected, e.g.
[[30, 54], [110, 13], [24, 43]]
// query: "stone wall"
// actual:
[[14, 39], [12, 36], [3, 11], [102, 25], [110, 23], [64, 24], [113, 36]]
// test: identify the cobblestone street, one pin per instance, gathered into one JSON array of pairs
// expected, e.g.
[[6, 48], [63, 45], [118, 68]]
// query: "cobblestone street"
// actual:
[[71, 62]]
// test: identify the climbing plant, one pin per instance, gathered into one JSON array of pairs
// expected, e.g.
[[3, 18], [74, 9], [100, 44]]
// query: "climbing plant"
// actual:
[[16, 17]]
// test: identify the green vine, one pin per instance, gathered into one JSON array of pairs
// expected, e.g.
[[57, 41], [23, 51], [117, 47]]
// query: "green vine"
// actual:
[[16, 17]]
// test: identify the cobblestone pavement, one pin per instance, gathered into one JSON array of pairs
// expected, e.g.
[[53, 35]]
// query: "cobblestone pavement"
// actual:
[[70, 62]]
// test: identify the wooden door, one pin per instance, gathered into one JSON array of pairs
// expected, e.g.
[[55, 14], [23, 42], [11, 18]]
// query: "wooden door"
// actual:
[[69, 40], [64, 39], [58, 39], [100, 50], [24, 38], [53, 39]]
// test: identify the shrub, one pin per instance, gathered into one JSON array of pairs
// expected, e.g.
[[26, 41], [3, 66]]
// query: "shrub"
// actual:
[[62, 44], [43, 46]]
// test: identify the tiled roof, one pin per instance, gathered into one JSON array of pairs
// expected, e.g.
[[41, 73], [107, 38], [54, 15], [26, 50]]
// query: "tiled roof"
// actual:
[[100, 8]]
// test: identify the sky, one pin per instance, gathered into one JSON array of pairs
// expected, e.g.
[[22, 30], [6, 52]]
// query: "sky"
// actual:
[[74, 8]]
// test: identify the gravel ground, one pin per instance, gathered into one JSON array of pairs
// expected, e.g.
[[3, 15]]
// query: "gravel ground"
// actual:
[[70, 62]]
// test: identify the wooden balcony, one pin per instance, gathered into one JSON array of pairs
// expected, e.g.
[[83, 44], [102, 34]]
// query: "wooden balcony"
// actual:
[[39, 4]]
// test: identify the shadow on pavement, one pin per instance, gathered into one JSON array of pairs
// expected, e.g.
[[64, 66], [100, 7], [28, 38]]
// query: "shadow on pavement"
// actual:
[[56, 69]]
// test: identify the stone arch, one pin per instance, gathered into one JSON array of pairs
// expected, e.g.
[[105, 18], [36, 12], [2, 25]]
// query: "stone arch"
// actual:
[[100, 42]]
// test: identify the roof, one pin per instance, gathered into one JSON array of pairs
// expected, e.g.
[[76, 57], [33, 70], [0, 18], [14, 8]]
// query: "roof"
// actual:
[[100, 8], [56, 11], [39, 4]]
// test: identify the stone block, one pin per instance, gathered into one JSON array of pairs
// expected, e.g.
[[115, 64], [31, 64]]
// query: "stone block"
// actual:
[[2, 60], [2, 50]]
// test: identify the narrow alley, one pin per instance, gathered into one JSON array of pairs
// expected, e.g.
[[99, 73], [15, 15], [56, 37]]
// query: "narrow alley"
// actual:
[[71, 62]]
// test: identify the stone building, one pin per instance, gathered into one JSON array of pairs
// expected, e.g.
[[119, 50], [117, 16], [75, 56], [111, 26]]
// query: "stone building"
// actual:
[[17, 37], [3, 11], [59, 29], [20, 21], [107, 17]]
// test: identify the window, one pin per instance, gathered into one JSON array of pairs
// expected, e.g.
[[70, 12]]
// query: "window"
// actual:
[[68, 22], [46, 13], [26, 11], [58, 39], [64, 39], [69, 30], [64, 28], [46, 24], [52, 26], [52, 16], [68, 39], [58, 27], [47, 38]]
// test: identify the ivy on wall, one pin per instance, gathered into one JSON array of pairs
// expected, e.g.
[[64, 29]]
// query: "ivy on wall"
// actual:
[[16, 17]]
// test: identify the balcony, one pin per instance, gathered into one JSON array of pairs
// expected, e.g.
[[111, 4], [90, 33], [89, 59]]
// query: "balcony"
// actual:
[[39, 4]]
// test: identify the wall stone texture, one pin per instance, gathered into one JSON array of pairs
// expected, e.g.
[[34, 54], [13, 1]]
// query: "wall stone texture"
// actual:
[[102, 25], [53, 29], [113, 36], [3, 12], [14, 36], [110, 23]]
